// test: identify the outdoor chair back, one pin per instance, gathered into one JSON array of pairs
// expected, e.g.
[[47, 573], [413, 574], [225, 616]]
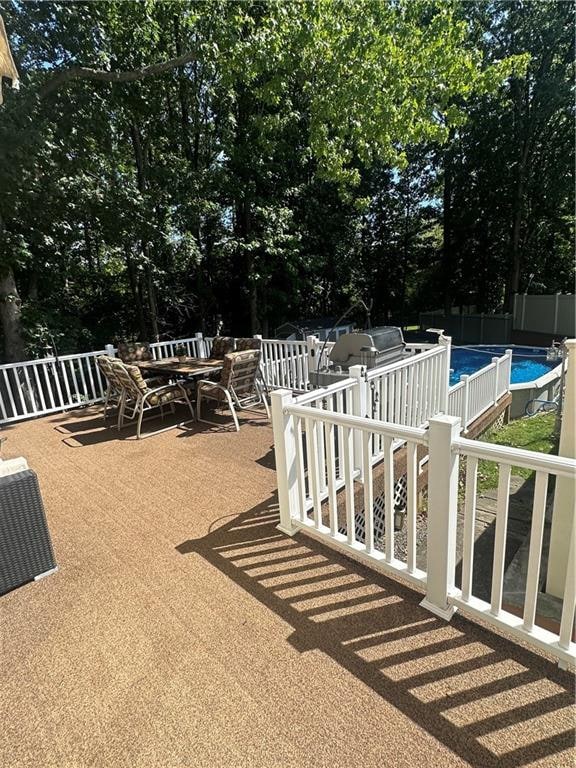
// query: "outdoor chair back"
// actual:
[[221, 346], [134, 352], [114, 386], [239, 372], [248, 343]]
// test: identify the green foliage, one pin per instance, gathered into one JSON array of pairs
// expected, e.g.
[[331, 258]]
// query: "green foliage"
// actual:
[[297, 161]]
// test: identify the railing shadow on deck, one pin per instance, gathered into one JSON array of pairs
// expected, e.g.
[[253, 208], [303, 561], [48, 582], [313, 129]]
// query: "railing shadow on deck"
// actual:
[[487, 699]]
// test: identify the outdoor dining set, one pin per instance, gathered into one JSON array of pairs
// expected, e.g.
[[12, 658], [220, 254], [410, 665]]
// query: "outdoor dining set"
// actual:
[[137, 383]]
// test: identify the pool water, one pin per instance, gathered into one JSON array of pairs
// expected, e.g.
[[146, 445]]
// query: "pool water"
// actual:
[[528, 363]]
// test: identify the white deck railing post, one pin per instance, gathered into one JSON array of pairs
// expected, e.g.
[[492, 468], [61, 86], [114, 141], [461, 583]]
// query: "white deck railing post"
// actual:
[[446, 342], [465, 401], [359, 408], [285, 437], [496, 361], [201, 345], [508, 354], [313, 348], [442, 512], [110, 350]]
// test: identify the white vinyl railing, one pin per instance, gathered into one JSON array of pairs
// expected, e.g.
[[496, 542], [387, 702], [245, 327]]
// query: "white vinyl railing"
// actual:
[[327, 488], [286, 363], [406, 393], [39, 387], [525, 627], [411, 391], [475, 394], [195, 347]]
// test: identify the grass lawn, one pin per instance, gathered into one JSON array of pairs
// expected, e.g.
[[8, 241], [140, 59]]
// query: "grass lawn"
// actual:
[[533, 434]]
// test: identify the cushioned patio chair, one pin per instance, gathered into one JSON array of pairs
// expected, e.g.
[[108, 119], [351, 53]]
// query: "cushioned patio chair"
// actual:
[[138, 397], [114, 388], [238, 386], [221, 345]]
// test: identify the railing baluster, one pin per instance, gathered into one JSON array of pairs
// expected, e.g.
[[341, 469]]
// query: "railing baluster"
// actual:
[[313, 470], [9, 390], [388, 499], [411, 503], [331, 468], [39, 387], [536, 538], [500, 538], [90, 363], [469, 526], [301, 472], [368, 493], [30, 389], [18, 386], [348, 461]]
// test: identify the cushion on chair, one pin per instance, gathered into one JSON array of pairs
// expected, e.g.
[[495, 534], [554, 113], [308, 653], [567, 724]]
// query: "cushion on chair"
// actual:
[[166, 396], [131, 352], [137, 377], [243, 344], [221, 345]]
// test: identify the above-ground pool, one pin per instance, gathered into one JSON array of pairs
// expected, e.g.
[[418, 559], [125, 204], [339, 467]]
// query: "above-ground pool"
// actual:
[[528, 363]]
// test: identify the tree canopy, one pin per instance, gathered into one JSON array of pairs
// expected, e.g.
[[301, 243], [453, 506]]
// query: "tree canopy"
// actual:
[[166, 164]]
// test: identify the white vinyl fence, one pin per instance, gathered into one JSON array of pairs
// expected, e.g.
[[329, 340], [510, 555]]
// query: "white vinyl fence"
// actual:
[[325, 485], [408, 392], [475, 394], [39, 387]]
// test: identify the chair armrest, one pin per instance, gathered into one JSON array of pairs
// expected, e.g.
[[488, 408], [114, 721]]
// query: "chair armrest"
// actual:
[[211, 383]]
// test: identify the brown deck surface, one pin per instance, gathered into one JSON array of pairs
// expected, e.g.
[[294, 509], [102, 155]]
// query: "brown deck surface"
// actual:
[[184, 630]]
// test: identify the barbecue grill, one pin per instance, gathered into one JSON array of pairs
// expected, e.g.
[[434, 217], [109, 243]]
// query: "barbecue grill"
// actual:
[[372, 348]]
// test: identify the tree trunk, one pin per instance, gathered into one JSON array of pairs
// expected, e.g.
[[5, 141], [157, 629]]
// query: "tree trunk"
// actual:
[[136, 294], [11, 318], [152, 301], [447, 242]]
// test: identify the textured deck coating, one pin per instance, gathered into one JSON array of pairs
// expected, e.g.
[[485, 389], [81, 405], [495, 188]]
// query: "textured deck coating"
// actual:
[[184, 630]]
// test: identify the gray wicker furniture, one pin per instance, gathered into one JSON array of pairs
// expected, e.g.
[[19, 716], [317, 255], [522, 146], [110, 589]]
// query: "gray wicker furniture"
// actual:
[[26, 552]]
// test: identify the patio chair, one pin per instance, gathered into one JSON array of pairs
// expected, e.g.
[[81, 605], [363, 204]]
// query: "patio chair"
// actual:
[[134, 351], [114, 388], [251, 343], [138, 397], [221, 346], [238, 386]]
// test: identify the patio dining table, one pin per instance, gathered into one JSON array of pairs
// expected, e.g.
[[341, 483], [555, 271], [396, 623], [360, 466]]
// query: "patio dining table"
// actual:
[[188, 368]]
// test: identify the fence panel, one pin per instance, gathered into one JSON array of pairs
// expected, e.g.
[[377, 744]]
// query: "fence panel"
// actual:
[[411, 391], [495, 610], [39, 387]]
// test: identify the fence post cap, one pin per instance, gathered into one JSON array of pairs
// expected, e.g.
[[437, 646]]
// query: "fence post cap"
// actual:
[[281, 394], [444, 421], [464, 376]]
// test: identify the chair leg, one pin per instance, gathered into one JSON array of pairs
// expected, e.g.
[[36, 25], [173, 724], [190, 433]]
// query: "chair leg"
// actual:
[[266, 406], [121, 410], [199, 405], [232, 411], [140, 417], [106, 399], [189, 403]]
